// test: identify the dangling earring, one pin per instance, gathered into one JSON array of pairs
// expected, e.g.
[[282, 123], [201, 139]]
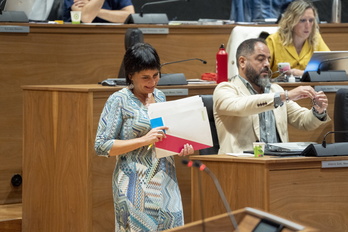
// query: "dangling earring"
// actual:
[[131, 86]]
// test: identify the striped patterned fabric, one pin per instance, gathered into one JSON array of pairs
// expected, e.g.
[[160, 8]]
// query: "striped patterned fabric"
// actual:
[[145, 189]]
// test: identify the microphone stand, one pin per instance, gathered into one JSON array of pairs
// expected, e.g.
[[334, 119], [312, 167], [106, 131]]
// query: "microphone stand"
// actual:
[[179, 61], [329, 60], [158, 2], [175, 78], [202, 167], [331, 132], [159, 18], [323, 149]]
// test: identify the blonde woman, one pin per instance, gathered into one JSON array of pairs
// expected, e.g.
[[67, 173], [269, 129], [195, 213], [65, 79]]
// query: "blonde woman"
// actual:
[[297, 38]]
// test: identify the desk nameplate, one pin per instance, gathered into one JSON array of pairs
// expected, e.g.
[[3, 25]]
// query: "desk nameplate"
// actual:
[[334, 164], [330, 88], [156, 30], [14, 29], [175, 92]]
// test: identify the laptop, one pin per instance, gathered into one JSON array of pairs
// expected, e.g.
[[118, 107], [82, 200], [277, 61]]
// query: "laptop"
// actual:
[[288, 147], [326, 66], [339, 61], [285, 149]]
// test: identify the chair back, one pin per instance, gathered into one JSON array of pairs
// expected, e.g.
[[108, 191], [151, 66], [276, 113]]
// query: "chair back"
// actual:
[[208, 103], [238, 35], [341, 115]]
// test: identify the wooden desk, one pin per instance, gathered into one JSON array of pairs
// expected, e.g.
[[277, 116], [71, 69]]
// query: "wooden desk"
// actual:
[[67, 186], [86, 54], [298, 189]]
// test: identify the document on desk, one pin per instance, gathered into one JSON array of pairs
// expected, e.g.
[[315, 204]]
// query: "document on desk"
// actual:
[[188, 122]]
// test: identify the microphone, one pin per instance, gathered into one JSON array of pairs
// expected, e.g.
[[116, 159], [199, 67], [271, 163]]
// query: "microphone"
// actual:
[[158, 2], [1, 5], [329, 60], [179, 61], [175, 78], [330, 132], [203, 167]]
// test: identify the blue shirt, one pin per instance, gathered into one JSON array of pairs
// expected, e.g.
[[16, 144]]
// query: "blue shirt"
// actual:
[[268, 129], [108, 5], [251, 10]]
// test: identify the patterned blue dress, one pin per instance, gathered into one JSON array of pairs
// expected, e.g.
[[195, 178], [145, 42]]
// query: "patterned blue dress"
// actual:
[[145, 189]]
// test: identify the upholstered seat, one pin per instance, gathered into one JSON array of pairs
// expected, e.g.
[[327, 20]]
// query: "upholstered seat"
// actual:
[[208, 103], [238, 35], [341, 115]]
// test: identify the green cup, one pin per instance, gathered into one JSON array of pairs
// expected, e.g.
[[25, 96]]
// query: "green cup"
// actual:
[[259, 149], [75, 17]]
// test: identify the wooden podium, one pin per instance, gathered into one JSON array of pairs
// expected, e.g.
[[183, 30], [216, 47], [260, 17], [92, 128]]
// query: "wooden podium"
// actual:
[[66, 186], [248, 220]]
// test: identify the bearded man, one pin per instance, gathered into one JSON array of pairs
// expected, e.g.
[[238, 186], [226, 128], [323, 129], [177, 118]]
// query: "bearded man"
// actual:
[[250, 108]]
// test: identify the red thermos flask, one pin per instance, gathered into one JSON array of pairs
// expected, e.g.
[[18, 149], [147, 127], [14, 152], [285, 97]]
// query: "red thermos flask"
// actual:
[[221, 64]]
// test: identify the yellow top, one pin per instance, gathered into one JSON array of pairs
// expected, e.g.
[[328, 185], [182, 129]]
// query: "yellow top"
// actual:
[[281, 53]]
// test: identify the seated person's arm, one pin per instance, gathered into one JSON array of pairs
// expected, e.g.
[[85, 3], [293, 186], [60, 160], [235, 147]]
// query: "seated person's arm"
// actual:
[[90, 9], [295, 72], [116, 16]]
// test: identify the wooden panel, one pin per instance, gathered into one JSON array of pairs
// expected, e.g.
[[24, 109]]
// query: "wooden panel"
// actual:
[[55, 163], [246, 193], [311, 196], [294, 188], [10, 212], [11, 218], [335, 36], [13, 225]]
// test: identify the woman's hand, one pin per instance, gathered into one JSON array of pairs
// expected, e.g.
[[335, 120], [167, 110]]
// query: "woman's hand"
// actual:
[[156, 134], [187, 150], [296, 72]]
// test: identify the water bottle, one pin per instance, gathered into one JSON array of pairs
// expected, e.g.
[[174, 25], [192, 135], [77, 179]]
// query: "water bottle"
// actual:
[[336, 11], [221, 64]]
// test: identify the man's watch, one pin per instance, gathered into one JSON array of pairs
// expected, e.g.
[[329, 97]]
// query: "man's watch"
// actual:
[[277, 100]]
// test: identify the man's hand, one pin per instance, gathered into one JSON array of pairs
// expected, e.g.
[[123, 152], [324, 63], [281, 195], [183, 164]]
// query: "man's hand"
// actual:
[[320, 102], [319, 99], [302, 92]]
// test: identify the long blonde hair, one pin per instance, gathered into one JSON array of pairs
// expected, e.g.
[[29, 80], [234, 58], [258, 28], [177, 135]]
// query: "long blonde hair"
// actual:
[[291, 18]]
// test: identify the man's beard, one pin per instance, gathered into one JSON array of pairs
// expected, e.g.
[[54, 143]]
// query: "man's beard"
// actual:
[[255, 77]]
